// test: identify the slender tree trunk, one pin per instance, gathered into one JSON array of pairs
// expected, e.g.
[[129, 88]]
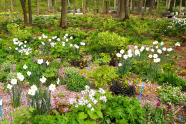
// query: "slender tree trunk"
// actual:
[[133, 4], [30, 12], [180, 5], [51, 6], [114, 4], [140, 6], [74, 7], [23, 4], [127, 9], [106, 9], [84, 6], [48, 6], [145, 5], [98, 6], [174, 4], [169, 3], [37, 7], [95, 5], [118, 10], [151, 6], [103, 6], [158, 4], [63, 14], [130, 4], [12, 6], [122, 10], [55, 6]]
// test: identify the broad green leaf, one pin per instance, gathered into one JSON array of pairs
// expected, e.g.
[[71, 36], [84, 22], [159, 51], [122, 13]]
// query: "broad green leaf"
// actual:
[[82, 115]]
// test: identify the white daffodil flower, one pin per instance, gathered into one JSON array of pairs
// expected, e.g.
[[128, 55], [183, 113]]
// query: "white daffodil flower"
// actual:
[[58, 81], [29, 73], [43, 79], [122, 51], [9, 86], [33, 87], [31, 92], [25, 66], [13, 81], [47, 62], [52, 87], [40, 61]]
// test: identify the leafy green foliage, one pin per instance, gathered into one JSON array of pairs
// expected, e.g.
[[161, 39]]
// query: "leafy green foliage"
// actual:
[[169, 94], [76, 83], [43, 119], [103, 76], [70, 71], [123, 110]]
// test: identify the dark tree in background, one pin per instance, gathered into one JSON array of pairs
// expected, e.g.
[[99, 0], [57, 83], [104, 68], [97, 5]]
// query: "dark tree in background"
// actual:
[[63, 14], [23, 4]]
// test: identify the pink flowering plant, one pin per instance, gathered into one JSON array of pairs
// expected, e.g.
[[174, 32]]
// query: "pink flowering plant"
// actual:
[[88, 108]]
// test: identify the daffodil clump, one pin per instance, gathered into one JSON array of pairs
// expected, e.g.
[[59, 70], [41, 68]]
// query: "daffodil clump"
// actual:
[[15, 89], [154, 53]]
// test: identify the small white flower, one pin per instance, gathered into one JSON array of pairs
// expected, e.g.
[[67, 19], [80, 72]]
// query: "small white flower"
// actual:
[[152, 50], [89, 105], [76, 46], [25, 67], [162, 43], [177, 44], [83, 92], [10, 48], [157, 60], [9, 86], [66, 35], [72, 100], [31, 92], [76, 106], [119, 64], [52, 44], [71, 37], [66, 40], [129, 55], [19, 75], [21, 78], [58, 81], [54, 37], [155, 56], [164, 48], [95, 101], [92, 109], [137, 52], [122, 51], [43, 79], [169, 49], [125, 56], [156, 47], [16, 48], [52, 87], [135, 47], [101, 91], [82, 43], [159, 51], [147, 48], [71, 45], [27, 53], [103, 98], [24, 45], [39, 38], [15, 39], [155, 42], [13, 81], [33, 87], [58, 39], [29, 73], [129, 51], [40, 61], [20, 43], [150, 56], [63, 43], [87, 87], [43, 43], [49, 40], [118, 55], [47, 62]]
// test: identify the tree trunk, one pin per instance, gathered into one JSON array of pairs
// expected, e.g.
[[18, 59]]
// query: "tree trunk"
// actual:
[[122, 10], [114, 4], [127, 9], [98, 6], [30, 12], [140, 6], [180, 5], [23, 4], [103, 6], [151, 5], [12, 5], [55, 6], [48, 6], [158, 4], [130, 4], [74, 7], [174, 4], [145, 5], [63, 14], [51, 6], [37, 7], [169, 3], [118, 10], [106, 9], [133, 4], [84, 6], [95, 5]]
